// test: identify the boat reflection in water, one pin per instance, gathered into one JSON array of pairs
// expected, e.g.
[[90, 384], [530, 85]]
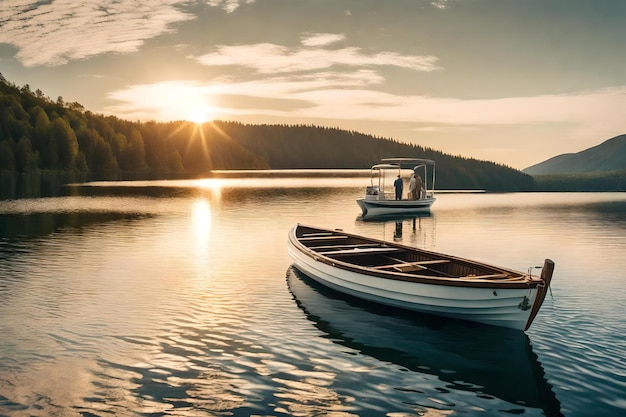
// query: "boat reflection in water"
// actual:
[[487, 360], [415, 221]]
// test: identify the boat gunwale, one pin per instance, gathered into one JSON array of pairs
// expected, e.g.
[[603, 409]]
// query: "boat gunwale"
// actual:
[[523, 282], [387, 202]]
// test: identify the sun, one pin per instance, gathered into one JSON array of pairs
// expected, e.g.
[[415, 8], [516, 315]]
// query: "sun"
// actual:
[[199, 114]]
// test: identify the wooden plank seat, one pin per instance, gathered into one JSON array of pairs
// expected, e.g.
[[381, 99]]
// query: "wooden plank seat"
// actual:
[[345, 246], [361, 251], [433, 262], [412, 266], [409, 268]]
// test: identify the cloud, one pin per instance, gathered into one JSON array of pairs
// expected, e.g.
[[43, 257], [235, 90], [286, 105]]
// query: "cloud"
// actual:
[[595, 108], [170, 100], [303, 74], [322, 39], [353, 96], [228, 5], [57, 31], [146, 101], [440, 4], [267, 58]]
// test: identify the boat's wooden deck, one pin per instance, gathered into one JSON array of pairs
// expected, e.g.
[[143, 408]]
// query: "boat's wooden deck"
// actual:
[[383, 257]]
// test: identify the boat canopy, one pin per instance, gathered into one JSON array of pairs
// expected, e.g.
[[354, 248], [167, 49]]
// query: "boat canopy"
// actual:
[[384, 166], [425, 167], [409, 162]]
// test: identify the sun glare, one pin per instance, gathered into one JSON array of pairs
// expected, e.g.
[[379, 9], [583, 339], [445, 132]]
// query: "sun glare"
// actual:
[[199, 115]]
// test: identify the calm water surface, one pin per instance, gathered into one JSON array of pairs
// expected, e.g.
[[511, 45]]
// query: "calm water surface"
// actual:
[[177, 298]]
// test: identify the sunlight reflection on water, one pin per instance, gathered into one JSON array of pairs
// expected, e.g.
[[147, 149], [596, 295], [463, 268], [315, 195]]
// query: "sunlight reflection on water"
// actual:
[[178, 298]]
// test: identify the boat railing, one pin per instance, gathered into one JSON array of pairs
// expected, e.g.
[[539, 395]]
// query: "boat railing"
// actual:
[[376, 194], [380, 196]]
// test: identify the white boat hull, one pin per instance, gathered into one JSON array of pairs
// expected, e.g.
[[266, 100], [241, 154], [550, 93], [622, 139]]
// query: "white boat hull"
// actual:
[[371, 207], [452, 353], [505, 307]]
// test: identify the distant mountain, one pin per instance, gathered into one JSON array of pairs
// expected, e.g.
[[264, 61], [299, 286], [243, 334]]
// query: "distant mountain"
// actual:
[[608, 156]]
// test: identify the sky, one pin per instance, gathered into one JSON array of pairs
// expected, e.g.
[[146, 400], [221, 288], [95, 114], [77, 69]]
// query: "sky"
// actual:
[[515, 82]]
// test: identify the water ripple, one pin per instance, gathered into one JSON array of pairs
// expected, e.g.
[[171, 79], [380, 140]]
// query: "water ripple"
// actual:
[[186, 305]]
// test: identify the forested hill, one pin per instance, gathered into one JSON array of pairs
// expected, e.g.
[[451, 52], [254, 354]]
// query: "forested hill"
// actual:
[[37, 133], [599, 168], [608, 156], [318, 147]]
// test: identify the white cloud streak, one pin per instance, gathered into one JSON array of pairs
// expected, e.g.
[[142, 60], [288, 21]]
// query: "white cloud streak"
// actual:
[[322, 39], [228, 6], [341, 96], [358, 95], [269, 58], [55, 32]]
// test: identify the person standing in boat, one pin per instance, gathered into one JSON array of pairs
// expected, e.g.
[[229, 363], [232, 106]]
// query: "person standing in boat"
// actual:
[[419, 187], [412, 188], [399, 186]]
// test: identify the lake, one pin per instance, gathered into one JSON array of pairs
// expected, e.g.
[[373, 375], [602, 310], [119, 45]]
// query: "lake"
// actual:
[[178, 298]]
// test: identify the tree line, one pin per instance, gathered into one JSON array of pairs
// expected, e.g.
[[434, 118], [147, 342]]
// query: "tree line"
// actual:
[[599, 181], [37, 133]]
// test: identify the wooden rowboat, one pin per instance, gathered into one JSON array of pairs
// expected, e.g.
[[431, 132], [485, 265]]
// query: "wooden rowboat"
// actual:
[[415, 279]]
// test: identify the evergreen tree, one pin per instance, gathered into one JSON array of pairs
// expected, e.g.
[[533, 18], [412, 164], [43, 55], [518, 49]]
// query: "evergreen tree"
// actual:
[[7, 157], [133, 155], [104, 165], [25, 159], [66, 142]]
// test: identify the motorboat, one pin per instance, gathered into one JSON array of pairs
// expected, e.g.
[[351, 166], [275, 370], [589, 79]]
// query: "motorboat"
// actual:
[[380, 196], [410, 278]]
